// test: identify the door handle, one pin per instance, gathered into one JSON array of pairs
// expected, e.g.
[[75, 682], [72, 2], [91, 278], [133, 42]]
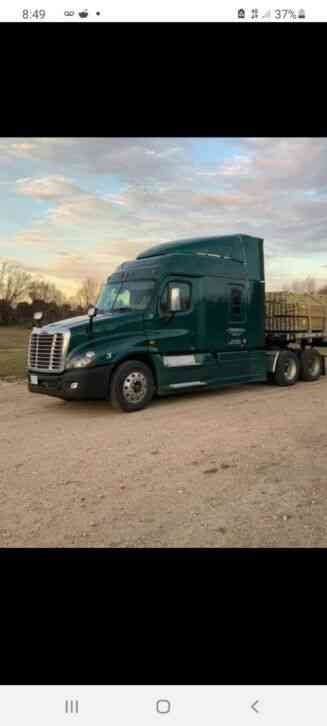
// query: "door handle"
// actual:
[[236, 337]]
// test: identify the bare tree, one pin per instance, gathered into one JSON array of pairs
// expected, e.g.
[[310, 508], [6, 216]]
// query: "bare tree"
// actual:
[[297, 286], [14, 283], [286, 287], [39, 289], [308, 285], [88, 293]]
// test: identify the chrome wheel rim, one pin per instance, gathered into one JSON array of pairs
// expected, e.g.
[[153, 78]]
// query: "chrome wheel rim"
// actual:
[[135, 387], [290, 369]]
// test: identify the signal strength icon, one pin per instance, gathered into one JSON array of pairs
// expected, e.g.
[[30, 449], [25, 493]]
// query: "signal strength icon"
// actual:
[[266, 15]]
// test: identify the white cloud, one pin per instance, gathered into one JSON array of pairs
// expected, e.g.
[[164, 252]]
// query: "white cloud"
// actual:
[[130, 158], [276, 188], [48, 187]]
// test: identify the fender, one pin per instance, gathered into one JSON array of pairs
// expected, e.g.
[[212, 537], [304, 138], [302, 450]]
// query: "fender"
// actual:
[[272, 360]]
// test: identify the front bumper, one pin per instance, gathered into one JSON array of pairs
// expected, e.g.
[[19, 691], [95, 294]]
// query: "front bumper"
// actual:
[[93, 383]]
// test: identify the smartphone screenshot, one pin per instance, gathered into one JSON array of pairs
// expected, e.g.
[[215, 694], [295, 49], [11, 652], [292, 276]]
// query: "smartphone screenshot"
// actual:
[[163, 343]]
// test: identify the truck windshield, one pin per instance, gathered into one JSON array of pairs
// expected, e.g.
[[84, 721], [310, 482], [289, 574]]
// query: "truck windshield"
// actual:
[[125, 296]]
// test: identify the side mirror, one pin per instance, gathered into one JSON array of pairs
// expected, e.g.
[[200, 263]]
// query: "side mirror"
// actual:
[[92, 311], [38, 316], [174, 300]]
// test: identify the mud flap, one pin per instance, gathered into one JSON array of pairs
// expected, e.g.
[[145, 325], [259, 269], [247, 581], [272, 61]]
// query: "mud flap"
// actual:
[[271, 360]]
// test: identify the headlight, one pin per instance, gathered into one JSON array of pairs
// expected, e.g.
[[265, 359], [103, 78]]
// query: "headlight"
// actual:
[[82, 360]]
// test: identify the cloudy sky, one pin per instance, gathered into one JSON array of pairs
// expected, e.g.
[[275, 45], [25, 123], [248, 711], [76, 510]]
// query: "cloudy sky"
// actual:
[[77, 207]]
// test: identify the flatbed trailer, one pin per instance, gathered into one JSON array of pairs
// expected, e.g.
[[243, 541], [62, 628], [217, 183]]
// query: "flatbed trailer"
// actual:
[[296, 318], [297, 322]]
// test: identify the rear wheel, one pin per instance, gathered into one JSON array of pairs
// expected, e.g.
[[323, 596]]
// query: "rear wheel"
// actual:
[[310, 364], [132, 386], [287, 369]]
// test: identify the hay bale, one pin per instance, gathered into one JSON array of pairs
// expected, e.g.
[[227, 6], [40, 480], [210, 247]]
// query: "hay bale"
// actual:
[[295, 312]]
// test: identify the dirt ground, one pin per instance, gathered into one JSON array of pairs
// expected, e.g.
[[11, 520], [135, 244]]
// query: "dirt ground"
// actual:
[[240, 467]]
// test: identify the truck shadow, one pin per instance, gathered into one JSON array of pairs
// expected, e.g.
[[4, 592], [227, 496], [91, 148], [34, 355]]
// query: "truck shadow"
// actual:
[[229, 393], [91, 408]]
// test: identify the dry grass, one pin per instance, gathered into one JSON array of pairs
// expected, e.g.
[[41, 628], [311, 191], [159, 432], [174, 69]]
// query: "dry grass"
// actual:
[[13, 351]]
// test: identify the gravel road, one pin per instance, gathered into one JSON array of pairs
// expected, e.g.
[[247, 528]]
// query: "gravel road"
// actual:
[[240, 467]]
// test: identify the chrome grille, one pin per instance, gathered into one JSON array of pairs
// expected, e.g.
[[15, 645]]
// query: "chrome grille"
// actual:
[[46, 352]]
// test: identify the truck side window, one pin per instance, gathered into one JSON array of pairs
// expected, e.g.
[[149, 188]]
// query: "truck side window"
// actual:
[[185, 296], [236, 313]]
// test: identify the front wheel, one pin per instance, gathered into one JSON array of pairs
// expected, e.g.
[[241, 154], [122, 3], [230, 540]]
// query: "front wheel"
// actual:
[[132, 386], [287, 369]]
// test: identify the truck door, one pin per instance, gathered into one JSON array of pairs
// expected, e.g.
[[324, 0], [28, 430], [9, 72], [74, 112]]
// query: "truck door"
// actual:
[[177, 332], [175, 336]]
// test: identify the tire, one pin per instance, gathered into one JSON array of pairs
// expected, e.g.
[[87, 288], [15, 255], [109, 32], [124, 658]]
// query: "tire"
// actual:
[[310, 365], [132, 386], [288, 369]]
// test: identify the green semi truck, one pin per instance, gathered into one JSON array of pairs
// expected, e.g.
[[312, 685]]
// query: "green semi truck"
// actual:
[[184, 316]]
